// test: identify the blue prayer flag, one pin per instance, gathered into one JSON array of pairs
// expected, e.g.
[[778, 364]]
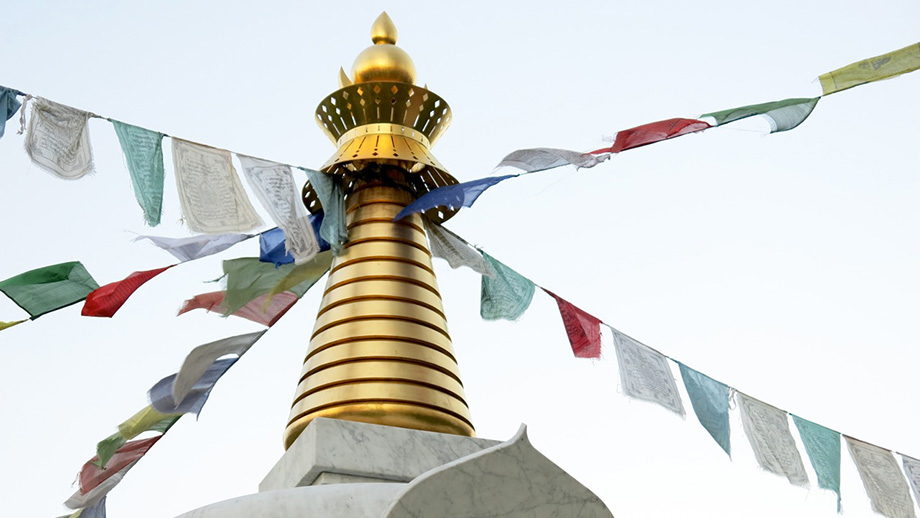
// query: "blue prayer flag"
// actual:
[[453, 196], [160, 395], [9, 105], [710, 403], [272, 248], [823, 448]]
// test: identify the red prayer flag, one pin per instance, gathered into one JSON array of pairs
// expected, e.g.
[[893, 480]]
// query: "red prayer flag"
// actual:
[[584, 330], [92, 475], [656, 132], [105, 301], [254, 310]]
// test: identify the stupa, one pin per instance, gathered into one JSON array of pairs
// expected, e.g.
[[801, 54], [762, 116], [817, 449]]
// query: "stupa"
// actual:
[[379, 426]]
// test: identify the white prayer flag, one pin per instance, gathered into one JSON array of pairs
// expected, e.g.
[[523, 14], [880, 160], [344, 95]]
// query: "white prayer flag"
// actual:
[[200, 359], [912, 469], [454, 249], [543, 158], [645, 374], [212, 197], [58, 139], [882, 479], [196, 247], [767, 430], [274, 186]]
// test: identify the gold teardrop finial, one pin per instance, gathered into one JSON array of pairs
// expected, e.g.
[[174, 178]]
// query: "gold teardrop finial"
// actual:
[[383, 61], [384, 30]]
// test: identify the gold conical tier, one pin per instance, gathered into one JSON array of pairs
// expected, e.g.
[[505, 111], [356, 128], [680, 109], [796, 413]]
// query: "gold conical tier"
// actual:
[[380, 351]]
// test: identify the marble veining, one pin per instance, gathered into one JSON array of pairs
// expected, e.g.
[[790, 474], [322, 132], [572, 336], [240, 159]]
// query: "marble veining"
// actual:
[[510, 480]]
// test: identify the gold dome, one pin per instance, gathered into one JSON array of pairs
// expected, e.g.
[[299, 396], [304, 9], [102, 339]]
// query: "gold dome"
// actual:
[[383, 61]]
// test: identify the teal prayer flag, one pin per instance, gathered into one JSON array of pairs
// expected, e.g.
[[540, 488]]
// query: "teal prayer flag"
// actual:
[[823, 448], [49, 288], [329, 191], [506, 294], [9, 105], [710, 403], [782, 115], [143, 151]]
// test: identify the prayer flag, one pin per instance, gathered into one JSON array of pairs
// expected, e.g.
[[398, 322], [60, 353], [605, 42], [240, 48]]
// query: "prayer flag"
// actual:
[[506, 294], [148, 419], [107, 300], [882, 479], [160, 394], [259, 310], [94, 511], [452, 196], [873, 69], [303, 276], [79, 500], [212, 198], [656, 132], [274, 187], [823, 448], [92, 475], [202, 357], [206, 301], [4, 325], [9, 105], [709, 399], [782, 115], [107, 447], [196, 247], [273, 248], [247, 278], [912, 468], [50, 288], [584, 330], [454, 249], [143, 151], [767, 429], [328, 189], [543, 158], [58, 139], [645, 374]]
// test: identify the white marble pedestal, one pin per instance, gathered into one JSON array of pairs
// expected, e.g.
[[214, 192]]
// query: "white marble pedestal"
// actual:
[[339, 469]]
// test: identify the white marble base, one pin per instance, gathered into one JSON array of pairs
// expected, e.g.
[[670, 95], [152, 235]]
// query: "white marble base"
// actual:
[[360, 452], [342, 469]]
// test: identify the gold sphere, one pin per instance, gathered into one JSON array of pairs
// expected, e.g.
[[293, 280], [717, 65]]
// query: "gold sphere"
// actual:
[[383, 61]]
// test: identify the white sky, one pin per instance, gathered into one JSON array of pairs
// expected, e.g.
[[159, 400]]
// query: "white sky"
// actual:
[[784, 265]]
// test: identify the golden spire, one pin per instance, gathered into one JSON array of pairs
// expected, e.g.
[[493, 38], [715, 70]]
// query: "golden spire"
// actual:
[[380, 351], [383, 61]]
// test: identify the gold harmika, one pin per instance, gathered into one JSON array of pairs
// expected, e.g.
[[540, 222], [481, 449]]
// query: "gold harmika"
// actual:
[[380, 351]]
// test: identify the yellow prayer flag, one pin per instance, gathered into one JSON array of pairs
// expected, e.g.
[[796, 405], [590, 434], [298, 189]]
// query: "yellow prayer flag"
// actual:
[[4, 325], [146, 419], [872, 69]]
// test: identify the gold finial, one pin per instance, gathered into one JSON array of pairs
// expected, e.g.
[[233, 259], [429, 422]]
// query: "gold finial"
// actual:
[[343, 78], [384, 30], [383, 61]]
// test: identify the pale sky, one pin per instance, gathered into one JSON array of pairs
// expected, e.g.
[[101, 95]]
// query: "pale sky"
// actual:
[[785, 265]]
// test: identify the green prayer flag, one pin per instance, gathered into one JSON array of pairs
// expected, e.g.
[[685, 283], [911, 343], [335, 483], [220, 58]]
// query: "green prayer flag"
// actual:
[[248, 278], [782, 115], [50, 288], [823, 448], [506, 294], [107, 447], [303, 276], [873, 69], [143, 151]]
